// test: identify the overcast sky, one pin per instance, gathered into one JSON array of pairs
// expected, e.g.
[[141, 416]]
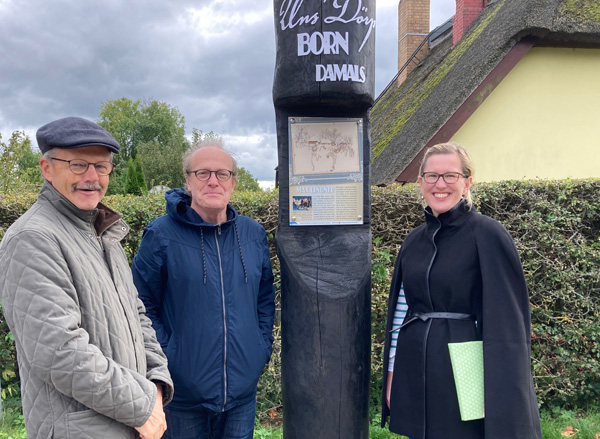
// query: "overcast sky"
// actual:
[[212, 59]]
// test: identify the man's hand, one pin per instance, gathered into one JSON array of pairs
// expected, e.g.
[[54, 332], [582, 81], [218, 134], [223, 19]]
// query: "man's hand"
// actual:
[[156, 424]]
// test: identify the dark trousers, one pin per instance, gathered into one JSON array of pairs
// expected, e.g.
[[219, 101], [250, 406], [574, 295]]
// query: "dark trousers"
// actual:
[[235, 423]]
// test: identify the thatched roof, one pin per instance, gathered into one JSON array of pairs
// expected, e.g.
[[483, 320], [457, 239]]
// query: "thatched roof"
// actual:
[[421, 111]]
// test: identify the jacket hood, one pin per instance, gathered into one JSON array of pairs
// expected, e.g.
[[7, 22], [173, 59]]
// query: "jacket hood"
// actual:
[[179, 208]]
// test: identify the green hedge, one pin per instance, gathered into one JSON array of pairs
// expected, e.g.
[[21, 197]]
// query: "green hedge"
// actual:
[[556, 227]]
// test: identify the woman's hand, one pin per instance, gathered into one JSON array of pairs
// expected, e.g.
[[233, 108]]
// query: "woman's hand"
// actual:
[[388, 389]]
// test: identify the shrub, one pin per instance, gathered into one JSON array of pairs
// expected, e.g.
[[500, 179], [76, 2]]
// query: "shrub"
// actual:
[[556, 227]]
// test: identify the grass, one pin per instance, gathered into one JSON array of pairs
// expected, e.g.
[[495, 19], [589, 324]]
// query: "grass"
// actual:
[[555, 425], [559, 425], [262, 432], [12, 425]]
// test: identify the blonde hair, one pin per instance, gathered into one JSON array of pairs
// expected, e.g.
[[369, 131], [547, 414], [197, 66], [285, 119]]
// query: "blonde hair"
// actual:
[[465, 159]]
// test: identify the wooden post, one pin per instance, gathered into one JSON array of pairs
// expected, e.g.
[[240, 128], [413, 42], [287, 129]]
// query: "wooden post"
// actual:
[[324, 75]]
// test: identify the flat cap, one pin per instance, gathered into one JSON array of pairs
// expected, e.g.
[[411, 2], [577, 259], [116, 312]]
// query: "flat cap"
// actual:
[[74, 132]]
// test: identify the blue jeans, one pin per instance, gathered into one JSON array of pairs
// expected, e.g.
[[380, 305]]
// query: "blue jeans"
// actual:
[[202, 423]]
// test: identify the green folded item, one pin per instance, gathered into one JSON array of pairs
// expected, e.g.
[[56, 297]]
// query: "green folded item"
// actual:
[[467, 367]]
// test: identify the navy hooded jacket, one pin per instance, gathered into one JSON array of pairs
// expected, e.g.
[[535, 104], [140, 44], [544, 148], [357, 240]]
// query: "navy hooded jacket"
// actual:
[[208, 290]]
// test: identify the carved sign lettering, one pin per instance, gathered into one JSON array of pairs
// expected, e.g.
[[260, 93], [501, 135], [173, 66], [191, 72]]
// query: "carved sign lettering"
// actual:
[[346, 12]]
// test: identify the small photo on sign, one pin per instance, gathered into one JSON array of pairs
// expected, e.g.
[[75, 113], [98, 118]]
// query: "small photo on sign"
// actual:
[[302, 203]]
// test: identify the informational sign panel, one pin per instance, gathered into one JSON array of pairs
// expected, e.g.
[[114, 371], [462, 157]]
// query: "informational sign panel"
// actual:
[[326, 177]]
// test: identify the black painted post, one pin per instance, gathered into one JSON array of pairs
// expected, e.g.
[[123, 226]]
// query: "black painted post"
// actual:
[[324, 74]]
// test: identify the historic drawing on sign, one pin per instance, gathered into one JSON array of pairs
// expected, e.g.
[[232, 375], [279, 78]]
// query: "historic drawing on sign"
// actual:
[[325, 148]]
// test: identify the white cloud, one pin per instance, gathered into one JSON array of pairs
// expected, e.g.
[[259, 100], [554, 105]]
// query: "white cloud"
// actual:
[[256, 152], [212, 59], [267, 185]]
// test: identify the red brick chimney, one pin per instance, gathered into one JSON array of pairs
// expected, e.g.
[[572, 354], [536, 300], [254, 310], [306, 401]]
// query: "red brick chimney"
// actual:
[[466, 12], [413, 27]]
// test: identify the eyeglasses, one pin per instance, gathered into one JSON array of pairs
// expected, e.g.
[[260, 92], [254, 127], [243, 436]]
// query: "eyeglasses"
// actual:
[[205, 174], [78, 166], [449, 177]]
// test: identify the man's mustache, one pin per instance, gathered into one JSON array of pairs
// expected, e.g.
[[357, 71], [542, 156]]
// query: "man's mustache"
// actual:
[[86, 187]]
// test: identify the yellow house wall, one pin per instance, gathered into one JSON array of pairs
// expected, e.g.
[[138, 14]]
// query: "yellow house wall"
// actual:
[[542, 121]]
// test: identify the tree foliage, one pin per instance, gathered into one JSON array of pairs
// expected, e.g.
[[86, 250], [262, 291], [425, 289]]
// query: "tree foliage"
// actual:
[[246, 182], [19, 164], [121, 118], [152, 136], [151, 129], [133, 123], [162, 165], [135, 183], [199, 136], [153, 132]]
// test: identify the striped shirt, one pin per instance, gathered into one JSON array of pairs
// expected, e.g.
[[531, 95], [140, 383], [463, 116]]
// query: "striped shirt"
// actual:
[[399, 314]]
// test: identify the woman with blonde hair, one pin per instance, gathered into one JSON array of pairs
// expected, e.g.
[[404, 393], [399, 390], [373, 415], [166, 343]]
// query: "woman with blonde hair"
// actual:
[[457, 278]]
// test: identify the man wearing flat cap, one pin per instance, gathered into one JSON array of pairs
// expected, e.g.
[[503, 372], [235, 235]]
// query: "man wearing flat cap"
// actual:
[[89, 362]]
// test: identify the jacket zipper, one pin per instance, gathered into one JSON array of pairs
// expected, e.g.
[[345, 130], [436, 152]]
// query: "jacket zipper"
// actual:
[[431, 262], [218, 232], [93, 233], [429, 325]]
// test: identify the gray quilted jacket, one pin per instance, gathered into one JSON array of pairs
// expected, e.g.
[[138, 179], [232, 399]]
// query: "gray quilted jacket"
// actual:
[[88, 355]]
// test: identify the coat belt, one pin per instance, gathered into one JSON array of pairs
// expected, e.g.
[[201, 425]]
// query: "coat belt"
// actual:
[[424, 316]]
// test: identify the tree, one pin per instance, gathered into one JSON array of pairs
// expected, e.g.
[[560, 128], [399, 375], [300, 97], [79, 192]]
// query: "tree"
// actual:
[[132, 123], [121, 118], [118, 180], [161, 123], [246, 182], [198, 136], [162, 165], [152, 129], [19, 164], [135, 183]]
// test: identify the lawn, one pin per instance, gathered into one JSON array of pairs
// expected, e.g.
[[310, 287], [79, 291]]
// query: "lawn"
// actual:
[[556, 425]]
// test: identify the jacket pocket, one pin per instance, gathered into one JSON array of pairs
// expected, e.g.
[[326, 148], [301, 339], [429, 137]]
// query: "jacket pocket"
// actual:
[[266, 349], [263, 348], [88, 424], [171, 349]]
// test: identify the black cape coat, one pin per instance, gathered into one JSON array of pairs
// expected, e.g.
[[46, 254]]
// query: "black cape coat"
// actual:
[[461, 262]]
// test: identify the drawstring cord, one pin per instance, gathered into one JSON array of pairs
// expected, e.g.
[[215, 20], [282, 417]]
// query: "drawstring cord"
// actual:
[[203, 255], [237, 234]]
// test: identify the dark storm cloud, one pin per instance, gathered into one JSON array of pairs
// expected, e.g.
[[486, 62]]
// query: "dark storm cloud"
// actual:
[[211, 59]]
